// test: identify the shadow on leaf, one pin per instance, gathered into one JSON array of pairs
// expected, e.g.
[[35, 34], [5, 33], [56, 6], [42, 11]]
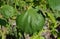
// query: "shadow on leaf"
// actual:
[[3, 22]]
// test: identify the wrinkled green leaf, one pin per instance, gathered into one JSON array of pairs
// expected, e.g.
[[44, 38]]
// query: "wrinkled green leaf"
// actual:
[[57, 14], [54, 4], [22, 3], [30, 22], [7, 11]]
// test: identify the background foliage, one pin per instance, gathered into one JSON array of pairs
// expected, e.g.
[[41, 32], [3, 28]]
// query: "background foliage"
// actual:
[[29, 19]]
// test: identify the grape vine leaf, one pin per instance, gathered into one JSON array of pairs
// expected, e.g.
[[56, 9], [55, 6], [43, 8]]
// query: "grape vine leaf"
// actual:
[[30, 22]]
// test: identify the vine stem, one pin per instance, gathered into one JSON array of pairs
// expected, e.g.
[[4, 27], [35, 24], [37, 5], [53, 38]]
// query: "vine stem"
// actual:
[[3, 32], [15, 3], [3, 36], [7, 2]]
